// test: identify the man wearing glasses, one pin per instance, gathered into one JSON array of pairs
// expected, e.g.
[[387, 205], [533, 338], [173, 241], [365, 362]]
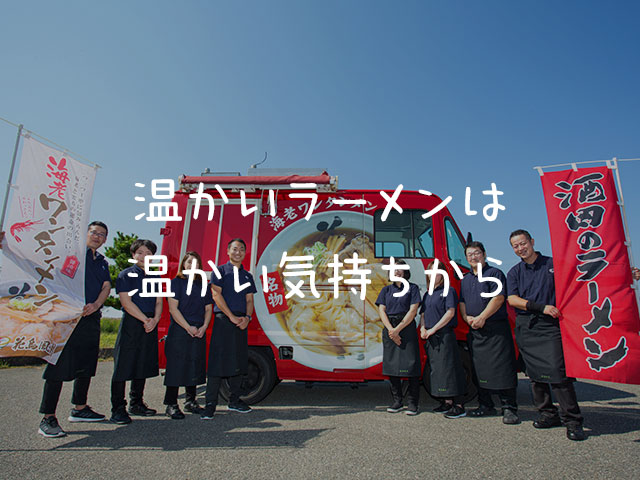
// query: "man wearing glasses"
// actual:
[[79, 358], [489, 338]]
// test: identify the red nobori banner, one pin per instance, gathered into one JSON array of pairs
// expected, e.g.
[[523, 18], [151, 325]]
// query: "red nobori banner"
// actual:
[[600, 323]]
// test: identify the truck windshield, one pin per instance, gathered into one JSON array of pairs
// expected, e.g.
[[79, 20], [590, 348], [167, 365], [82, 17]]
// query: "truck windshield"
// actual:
[[404, 235]]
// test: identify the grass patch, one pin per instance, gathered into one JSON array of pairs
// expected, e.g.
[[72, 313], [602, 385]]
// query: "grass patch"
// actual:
[[108, 332], [108, 340], [109, 325]]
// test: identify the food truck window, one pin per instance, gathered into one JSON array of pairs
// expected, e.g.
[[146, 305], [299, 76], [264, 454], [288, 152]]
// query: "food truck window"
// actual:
[[404, 235], [423, 235], [455, 244]]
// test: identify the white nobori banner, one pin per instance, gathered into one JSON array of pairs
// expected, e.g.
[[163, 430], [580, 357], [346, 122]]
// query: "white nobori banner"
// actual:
[[44, 250]]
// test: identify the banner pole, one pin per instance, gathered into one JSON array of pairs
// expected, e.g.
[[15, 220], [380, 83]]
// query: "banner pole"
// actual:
[[626, 226], [13, 164]]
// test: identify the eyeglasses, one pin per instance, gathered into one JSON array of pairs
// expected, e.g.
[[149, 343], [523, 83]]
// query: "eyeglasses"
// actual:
[[476, 253], [96, 233]]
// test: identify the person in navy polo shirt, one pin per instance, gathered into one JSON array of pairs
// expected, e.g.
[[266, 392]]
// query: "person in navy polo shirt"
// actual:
[[228, 351], [531, 291], [446, 378], [489, 338], [136, 350], [79, 358], [401, 349], [186, 344]]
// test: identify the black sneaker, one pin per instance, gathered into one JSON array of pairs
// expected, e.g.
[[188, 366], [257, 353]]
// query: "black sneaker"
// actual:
[[456, 412], [208, 412], [575, 433], [120, 416], [396, 407], [547, 422], [141, 410], [239, 407], [174, 412], [509, 417], [443, 407], [85, 415], [483, 411], [411, 410], [192, 407], [49, 427]]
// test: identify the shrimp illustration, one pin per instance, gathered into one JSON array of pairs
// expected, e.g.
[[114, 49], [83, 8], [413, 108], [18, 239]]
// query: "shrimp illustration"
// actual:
[[22, 227]]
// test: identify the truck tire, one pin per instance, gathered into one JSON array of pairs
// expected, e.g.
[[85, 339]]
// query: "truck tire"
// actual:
[[260, 380], [467, 365]]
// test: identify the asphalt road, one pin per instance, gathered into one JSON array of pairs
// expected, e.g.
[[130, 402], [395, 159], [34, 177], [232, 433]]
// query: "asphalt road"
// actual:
[[322, 432]]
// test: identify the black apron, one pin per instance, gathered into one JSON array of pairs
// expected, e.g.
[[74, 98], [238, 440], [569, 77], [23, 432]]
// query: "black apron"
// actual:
[[447, 378], [228, 351], [538, 338], [79, 358], [136, 352], [401, 360], [494, 358], [186, 357]]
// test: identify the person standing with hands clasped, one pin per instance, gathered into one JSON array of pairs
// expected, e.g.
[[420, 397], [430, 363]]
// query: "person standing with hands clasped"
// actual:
[[398, 305], [136, 350], [531, 291], [489, 338], [438, 319], [229, 350], [186, 343]]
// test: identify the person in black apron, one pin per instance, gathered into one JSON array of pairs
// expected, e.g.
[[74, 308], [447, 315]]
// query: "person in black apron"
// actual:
[[79, 358], [398, 305], [531, 291], [136, 350], [186, 343], [437, 321], [229, 351], [489, 338]]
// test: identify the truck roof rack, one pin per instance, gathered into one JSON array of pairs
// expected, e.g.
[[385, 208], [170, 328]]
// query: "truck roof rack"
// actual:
[[283, 172], [323, 181]]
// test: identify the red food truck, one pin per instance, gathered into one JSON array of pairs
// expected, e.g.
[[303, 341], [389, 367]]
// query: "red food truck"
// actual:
[[329, 338]]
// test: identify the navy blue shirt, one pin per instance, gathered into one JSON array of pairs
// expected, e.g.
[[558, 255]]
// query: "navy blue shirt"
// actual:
[[434, 306], [191, 306], [125, 284], [96, 272], [471, 288], [533, 282], [398, 305], [236, 301]]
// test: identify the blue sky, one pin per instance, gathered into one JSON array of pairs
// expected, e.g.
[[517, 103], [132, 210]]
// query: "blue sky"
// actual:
[[436, 95]]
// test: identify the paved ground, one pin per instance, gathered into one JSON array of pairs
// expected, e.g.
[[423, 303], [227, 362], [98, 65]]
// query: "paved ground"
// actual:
[[323, 432]]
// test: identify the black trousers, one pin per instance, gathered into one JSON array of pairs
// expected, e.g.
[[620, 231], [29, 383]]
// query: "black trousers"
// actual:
[[565, 394], [213, 387], [413, 394], [135, 393], [508, 398], [52, 389], [171, 395]]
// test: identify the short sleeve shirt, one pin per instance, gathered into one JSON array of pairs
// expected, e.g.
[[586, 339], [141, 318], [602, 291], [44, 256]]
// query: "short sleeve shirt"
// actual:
[[192, 306], [96, 272], [398, 305], [533, 282], [471, 289], [434, 306], [236, 301], [126, 283]]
